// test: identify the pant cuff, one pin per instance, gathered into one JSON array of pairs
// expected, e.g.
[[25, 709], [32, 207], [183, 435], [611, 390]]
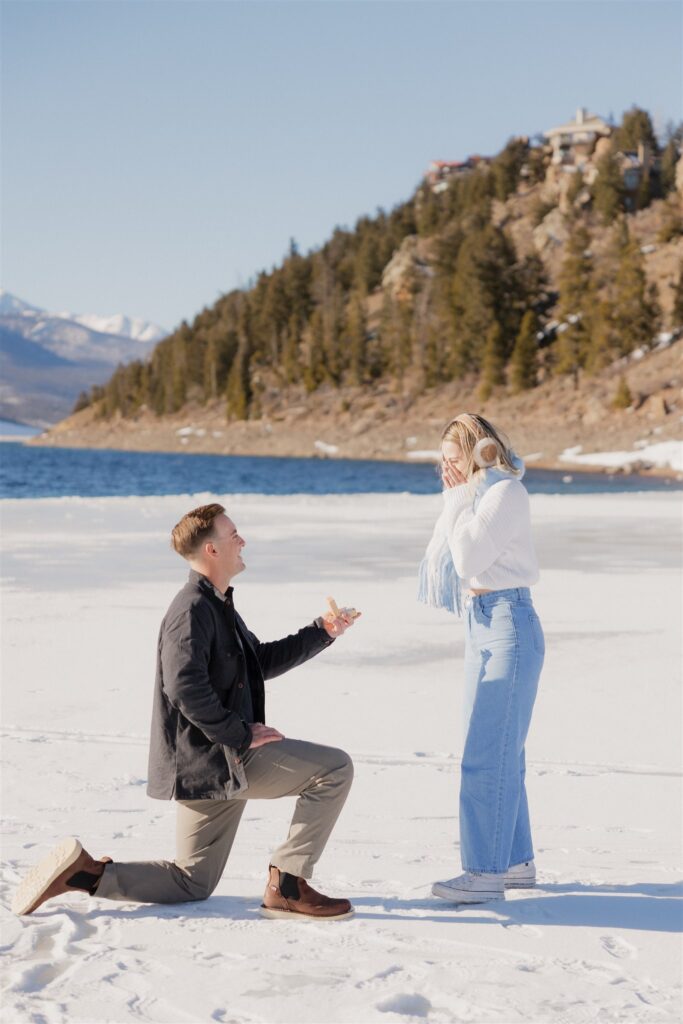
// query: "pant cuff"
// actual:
[[302, 867], [107, 887]]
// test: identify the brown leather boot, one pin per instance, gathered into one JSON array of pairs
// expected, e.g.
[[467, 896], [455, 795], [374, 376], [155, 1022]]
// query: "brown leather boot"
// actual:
[[66, 868], [308, 904]]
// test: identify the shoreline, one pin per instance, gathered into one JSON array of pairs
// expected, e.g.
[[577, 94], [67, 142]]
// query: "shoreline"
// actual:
[[546, 464]]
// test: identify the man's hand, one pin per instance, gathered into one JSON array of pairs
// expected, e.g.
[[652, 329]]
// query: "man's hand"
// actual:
[[261, 734], [335, 626]]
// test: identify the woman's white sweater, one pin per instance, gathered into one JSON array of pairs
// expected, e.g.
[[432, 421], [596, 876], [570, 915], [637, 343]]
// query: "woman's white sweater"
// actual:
[[492, 548]]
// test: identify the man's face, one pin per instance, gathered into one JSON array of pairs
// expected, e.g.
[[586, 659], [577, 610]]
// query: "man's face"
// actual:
[[226, 545]]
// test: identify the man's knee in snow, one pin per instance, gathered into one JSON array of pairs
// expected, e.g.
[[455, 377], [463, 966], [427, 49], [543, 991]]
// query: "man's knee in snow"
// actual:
[[194, 888], [345, 769]]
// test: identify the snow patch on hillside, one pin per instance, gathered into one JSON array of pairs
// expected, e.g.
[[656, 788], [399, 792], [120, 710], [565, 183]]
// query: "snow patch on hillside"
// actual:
[[666, 454]]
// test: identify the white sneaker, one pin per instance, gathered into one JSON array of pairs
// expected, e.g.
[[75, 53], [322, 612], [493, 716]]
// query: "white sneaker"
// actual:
[[521, 876], [472, 887]]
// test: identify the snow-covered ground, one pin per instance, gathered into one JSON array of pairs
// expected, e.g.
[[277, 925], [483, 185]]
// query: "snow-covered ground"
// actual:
[[660, 453], [86, 584]]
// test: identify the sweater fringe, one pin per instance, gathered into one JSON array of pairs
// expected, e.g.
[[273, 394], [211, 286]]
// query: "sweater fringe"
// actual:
[[440, 588]]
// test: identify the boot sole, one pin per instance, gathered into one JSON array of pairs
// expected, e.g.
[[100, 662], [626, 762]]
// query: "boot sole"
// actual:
[[41, 877], [290, 915]]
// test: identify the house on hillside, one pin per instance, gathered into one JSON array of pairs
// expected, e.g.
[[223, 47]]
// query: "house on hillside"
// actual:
[[579, 144], [441, 172], [574, 142]]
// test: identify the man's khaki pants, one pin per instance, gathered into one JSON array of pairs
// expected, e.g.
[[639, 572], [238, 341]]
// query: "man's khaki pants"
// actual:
[[321, 778]]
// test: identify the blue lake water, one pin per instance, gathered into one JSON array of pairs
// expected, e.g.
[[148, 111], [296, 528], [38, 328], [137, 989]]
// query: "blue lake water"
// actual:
[[31, 472]]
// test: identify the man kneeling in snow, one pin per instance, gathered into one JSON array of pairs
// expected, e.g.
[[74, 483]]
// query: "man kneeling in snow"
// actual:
[[210, 750]]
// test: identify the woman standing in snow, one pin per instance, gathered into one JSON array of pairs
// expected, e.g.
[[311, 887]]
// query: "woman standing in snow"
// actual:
[[480, 564]]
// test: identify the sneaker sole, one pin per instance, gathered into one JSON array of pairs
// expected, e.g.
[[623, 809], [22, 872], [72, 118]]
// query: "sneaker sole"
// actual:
[[290, 915], [463, 896], [520, 883], [43, 875]]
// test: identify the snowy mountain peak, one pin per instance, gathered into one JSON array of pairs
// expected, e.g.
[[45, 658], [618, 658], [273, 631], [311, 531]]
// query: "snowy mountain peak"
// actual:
[[10, 305], [118, 324]]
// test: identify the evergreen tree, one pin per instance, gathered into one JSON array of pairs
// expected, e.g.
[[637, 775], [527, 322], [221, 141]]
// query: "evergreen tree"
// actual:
[[608, 188], [636, 128], [331, 351], [210, 370], [326, 324], [672, 220], [473, 315], [238, 386], [604, 341], [137, 373], [447, 247], [532, 283], [623, 397], [477, 191], [507, 166], [314, 370], [677, 311], [272, 312], [577, 296], [524, 361], [298, 274], [636, 309], [290, 352], [493, 363], [646, 190], [428, 211], [395, 336], [238, 389], [355, 339], [576, 187], [179, 378], [82, 402], [435, 352], [145, 384], [369, 259], [537, 164], [486, 289]]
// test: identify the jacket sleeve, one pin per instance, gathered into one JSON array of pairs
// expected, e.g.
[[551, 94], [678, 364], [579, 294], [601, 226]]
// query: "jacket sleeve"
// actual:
[[185, 647], [279, 656], [476, 539]]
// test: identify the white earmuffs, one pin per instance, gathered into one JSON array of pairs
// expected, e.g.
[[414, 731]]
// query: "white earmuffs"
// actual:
[[486, 452]]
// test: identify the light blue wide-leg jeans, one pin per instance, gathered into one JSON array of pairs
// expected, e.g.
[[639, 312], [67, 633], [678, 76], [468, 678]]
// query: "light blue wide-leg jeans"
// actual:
[[504, 653]]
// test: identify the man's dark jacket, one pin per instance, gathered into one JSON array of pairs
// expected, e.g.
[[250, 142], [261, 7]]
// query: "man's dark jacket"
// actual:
[[206, 656]]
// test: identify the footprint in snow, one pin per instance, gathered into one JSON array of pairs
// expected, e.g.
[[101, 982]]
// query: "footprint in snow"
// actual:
[[411, 1004], [618, 947]]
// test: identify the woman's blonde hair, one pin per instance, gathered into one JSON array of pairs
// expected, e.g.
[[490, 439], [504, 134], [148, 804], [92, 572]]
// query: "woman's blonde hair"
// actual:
[[467, 430]]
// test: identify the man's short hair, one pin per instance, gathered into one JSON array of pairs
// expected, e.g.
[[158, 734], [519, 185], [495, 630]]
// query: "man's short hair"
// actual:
[[194, 528]]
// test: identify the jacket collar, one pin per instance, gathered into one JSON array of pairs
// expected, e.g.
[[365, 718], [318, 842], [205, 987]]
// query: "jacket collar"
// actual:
[[202, 581]]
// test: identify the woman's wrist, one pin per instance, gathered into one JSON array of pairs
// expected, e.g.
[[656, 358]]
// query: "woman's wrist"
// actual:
[[457, 498]]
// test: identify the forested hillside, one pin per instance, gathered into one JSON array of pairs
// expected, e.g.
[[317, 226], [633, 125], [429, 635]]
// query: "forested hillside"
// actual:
[[499, 276]]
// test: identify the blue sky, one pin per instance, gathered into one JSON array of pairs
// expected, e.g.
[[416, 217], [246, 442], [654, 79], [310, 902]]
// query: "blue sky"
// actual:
[[157, 154]]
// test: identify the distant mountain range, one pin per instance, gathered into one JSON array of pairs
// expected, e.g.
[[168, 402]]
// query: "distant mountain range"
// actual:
[[47, 359]]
